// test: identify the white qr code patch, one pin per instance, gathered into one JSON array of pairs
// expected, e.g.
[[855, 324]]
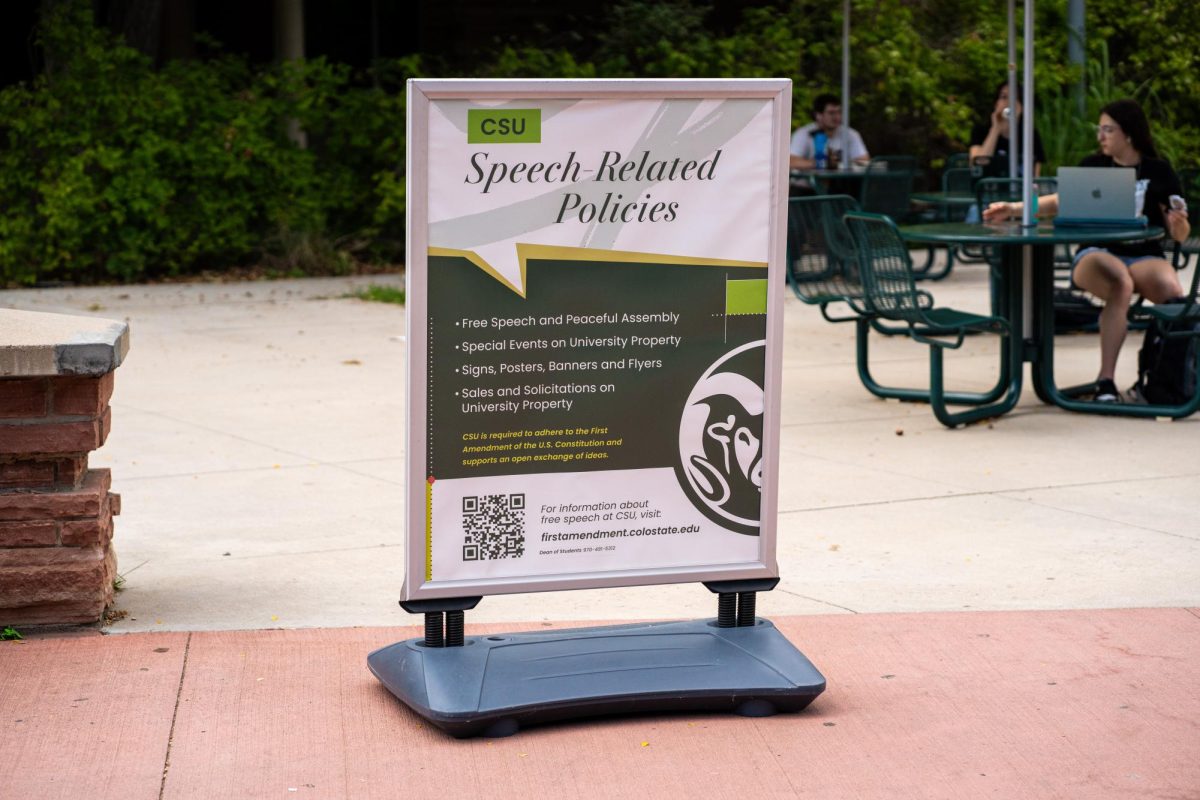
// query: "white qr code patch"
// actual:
[[494, 527]]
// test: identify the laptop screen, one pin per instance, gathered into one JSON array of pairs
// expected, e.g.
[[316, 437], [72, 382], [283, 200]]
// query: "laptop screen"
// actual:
[[1097, 194]]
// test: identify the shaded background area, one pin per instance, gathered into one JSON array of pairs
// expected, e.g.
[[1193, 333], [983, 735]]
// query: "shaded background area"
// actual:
[[142, 139], [353, 32]]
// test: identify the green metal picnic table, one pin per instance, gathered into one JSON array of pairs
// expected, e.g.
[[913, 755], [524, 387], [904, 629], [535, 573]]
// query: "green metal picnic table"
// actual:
[[1026, 295]]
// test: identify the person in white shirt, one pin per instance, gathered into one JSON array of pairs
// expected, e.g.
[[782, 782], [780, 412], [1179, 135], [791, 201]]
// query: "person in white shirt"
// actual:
[[820, 143]]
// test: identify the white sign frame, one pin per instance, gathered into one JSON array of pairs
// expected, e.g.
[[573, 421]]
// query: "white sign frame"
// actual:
[[420, 94]]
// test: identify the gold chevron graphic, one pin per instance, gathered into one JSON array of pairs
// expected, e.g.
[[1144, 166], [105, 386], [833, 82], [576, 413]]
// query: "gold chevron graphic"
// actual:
[[561, 253], [473, 257]]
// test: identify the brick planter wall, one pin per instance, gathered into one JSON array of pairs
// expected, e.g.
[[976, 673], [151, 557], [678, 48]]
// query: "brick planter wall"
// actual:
[[57, 563]]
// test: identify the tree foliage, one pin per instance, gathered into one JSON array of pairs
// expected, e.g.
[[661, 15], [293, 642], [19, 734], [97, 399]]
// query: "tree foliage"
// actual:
[[111, 169], [923, 72]]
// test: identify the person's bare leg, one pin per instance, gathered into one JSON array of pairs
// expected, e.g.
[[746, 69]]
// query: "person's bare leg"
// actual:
[[1107, 277], [1156, 280]]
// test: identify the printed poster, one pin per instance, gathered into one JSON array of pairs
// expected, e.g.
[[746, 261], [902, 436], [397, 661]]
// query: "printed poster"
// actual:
[[593, 370]]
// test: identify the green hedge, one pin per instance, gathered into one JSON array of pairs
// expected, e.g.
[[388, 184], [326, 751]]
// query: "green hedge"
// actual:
[[112, 170], [923, 71]]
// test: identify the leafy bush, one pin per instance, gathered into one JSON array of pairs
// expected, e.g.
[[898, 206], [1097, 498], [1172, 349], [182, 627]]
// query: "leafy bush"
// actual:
[[111, 170], [923, 73]]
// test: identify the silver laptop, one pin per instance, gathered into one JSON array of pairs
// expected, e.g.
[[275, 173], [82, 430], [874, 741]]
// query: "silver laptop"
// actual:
[[1098, 196]]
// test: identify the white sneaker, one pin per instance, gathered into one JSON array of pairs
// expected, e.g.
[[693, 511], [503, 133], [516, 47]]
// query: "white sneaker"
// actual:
[[1133, 396]]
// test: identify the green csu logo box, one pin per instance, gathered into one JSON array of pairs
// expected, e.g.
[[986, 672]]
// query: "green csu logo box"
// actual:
[[504, 125]]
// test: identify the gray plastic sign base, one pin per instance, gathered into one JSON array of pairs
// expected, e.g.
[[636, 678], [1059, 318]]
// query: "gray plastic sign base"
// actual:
[[495, 685]]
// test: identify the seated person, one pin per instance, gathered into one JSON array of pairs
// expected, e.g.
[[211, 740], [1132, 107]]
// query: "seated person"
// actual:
[[990, 142], [1114, 272], [824, 138]]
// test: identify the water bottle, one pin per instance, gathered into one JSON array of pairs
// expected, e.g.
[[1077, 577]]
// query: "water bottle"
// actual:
[[819, 142]]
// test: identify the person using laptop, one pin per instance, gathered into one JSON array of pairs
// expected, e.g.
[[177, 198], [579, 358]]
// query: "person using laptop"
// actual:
[[990, 141], [1114, 272]]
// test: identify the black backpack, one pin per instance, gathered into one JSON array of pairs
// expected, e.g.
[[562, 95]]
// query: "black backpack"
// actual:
[[1167, 364]]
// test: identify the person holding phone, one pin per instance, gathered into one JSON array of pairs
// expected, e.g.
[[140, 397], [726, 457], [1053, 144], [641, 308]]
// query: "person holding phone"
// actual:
[[1114, 272], [991, 141]]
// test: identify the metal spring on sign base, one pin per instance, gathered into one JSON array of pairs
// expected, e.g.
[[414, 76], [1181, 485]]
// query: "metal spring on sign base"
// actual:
[[745, 614], [455, 622], [726, 610], [433, 629]]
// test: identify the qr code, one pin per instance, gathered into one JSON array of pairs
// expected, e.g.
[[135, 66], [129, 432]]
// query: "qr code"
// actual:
[[494, 525]]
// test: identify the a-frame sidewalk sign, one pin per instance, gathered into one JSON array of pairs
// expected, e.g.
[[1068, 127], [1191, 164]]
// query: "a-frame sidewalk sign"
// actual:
[[594, 315]]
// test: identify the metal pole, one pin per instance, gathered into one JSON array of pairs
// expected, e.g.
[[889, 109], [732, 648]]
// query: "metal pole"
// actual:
[[1012, 87], [845, 84], [1027, 216], [375, 43], [1076, 49], [289, 46]]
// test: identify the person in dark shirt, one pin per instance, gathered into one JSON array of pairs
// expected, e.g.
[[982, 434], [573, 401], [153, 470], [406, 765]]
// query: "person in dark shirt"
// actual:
[[1113, 272], [990, 141]]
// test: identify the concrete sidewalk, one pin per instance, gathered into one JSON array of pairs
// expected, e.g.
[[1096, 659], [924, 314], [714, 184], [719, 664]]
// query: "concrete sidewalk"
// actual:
[[257, 443]]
